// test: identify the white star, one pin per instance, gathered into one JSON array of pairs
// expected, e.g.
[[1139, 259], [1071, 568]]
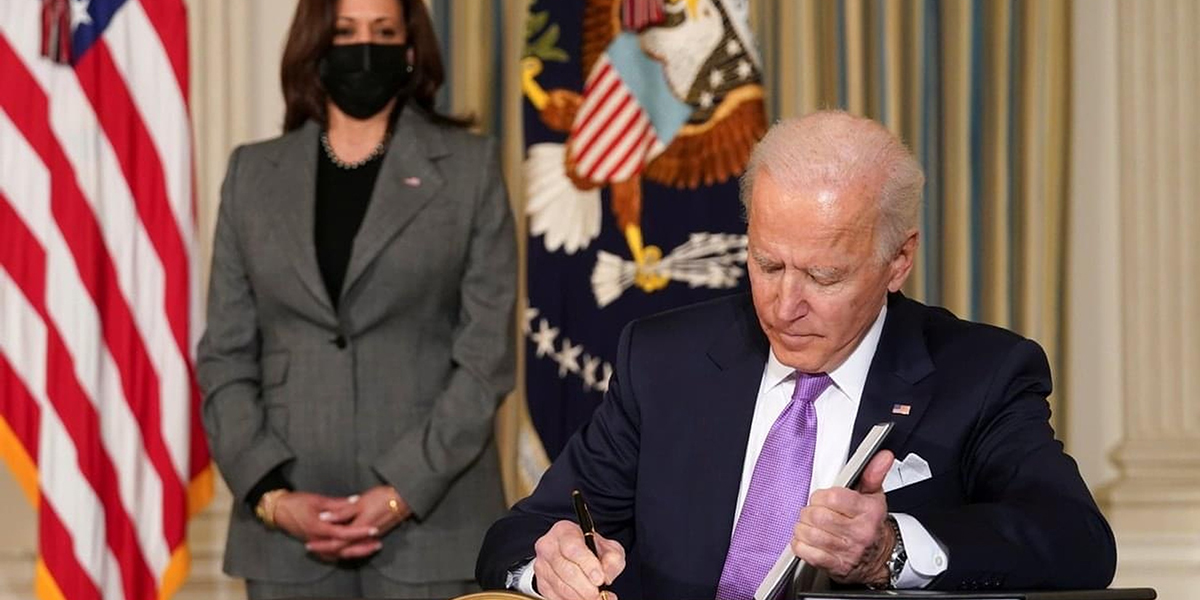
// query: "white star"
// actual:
[[568, 358], [715, 78], [732, 47], [544, 338], [706, 99], [590, 365], [79, 13], [603, 387], [744, 69], [530, 314]]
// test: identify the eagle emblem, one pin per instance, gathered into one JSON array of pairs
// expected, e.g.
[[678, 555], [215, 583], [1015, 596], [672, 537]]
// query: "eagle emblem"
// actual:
[[672, 95]]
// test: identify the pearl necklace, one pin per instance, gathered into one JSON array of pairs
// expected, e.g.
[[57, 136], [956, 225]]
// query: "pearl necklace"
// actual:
[[350, 166]]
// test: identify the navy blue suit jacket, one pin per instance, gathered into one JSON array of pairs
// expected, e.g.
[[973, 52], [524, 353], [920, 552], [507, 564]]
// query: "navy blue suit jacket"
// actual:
[[661, 460]]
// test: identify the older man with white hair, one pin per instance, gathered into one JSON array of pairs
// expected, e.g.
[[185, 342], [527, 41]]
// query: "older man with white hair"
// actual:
[[726, 422]]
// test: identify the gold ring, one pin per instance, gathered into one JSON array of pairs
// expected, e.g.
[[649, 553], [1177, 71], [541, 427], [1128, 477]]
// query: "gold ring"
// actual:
[[394, 505]]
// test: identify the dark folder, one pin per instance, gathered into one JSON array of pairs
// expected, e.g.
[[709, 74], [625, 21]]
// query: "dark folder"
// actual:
[[1112, 594]]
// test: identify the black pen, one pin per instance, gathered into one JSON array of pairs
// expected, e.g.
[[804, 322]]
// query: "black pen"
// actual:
[[589, 531]]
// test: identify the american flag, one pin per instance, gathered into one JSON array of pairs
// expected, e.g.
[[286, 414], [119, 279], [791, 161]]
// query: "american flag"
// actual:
[[612, 133], [98, 292], [628, 115]]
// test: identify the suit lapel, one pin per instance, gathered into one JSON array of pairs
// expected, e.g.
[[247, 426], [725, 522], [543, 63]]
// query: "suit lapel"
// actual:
[[738, 356], [898, 380], [408, 180], [899, 374], [293, 198]]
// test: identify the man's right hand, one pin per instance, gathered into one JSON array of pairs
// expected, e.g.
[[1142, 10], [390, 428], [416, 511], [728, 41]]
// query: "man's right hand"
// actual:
[[567, 570], [306, 516]]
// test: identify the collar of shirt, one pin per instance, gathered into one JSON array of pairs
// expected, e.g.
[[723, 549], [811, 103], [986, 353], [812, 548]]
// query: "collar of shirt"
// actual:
[[850, 377], [836, 409]]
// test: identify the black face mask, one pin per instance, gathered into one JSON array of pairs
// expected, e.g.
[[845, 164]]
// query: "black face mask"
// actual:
[[362, 78]]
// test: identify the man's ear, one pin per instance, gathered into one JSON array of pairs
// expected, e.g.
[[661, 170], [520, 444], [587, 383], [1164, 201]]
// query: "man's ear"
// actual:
[[902, 263]]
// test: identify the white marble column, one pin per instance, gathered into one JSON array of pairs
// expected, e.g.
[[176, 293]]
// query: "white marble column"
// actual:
[[1135, 301]]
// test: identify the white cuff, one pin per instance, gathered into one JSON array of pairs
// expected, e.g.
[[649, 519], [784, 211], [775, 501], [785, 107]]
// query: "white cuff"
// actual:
[[521, 580], [926, 557]]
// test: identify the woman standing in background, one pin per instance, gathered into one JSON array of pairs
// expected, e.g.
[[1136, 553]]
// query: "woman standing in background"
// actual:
[[360, 321]]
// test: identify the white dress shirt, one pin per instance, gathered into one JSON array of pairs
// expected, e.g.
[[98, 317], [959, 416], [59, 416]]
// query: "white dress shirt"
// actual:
[[837, 407]]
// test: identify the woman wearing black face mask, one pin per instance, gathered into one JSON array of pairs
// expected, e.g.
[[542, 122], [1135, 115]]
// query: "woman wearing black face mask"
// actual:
[[360, 314]]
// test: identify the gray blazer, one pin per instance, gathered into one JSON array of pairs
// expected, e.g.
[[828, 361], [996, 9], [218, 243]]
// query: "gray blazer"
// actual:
[[400, 384]]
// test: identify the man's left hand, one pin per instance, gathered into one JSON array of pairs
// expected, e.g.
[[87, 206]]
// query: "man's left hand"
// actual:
[[844, 531]]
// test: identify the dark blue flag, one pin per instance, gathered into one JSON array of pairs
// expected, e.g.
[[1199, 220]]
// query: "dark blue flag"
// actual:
[[639, 117]]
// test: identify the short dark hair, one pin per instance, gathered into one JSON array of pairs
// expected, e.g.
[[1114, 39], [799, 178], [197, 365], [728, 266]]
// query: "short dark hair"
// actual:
[[309, 38]]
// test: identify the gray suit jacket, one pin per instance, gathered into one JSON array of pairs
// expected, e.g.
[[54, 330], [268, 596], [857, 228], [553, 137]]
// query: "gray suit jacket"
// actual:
[[400, 384]]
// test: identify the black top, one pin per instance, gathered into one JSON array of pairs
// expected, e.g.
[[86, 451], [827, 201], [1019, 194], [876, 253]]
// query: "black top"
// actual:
[[342, 198]]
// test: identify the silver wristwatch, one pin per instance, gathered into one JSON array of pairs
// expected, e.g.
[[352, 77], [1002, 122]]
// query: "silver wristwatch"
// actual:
[[899, 557]]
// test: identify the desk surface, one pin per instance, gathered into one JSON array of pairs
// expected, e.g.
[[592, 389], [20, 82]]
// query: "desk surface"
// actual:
[[1111, 594]]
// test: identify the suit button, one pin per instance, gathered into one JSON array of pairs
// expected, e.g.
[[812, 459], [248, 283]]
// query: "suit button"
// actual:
[[340, 342]]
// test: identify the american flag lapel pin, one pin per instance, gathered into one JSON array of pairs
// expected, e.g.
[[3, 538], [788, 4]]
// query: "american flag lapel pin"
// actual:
[[412, 181], [901, 409]]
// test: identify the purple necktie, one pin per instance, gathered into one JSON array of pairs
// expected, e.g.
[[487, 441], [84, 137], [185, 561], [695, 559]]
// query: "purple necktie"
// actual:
[[778, 490]]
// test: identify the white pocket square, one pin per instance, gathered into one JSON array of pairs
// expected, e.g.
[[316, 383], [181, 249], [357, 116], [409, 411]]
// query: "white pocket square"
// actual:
[[913, 469]]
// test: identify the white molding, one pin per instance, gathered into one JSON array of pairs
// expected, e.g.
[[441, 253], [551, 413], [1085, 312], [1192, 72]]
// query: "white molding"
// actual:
[[1170, 551]]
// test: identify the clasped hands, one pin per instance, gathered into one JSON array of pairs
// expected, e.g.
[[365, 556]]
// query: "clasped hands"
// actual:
[[341, 528], [842, 531]]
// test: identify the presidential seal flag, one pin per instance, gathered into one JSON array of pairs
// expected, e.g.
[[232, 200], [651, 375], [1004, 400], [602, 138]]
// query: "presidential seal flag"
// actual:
[[639, 117], [98, 400]]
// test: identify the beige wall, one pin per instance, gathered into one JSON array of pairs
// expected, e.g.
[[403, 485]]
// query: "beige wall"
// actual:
[[235, 53], [1120, 47]]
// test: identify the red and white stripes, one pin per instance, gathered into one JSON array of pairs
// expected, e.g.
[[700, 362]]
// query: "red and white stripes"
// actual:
[[637, 15], [97, 293], [612, 137]]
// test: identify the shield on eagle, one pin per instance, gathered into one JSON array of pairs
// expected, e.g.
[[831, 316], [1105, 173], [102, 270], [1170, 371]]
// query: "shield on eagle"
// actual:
[[649, 109]]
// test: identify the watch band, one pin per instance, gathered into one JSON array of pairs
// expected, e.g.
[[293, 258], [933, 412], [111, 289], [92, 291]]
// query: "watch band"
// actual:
[[899, 557]]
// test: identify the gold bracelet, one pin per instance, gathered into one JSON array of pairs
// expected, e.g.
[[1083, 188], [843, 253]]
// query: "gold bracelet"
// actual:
[[265, 510]]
